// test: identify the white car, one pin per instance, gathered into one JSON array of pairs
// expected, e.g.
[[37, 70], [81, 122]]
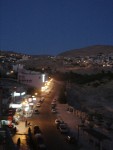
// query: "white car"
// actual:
[[54, 101], [53, 110], [38, 105], [58, 121]]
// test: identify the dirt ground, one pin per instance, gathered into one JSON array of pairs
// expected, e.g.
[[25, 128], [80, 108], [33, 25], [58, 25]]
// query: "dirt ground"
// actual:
[[98, 98]]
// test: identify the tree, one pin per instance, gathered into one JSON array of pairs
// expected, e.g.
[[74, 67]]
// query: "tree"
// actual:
[[62, 95]]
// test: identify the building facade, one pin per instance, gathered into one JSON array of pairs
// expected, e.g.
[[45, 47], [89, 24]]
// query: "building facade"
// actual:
[[32, 78]]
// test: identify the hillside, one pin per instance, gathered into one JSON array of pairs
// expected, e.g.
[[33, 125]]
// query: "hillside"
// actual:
[[88, 51], [97, 98]]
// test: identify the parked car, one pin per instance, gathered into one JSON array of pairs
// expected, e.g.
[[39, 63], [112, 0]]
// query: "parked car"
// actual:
[[53, 103], [38, 135], [41, 144], [11, 112], [71, 139], [36, 111], [53, 106], [38, 104], [36, 129], [53, 110], [15, 121], [54, 100], [58, 122], [42, 100], [63, 128]]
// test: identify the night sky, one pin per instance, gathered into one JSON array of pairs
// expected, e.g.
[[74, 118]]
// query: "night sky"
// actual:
[[54, 26]]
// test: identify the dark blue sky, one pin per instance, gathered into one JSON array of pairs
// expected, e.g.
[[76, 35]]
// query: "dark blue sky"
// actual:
[[54, 26]]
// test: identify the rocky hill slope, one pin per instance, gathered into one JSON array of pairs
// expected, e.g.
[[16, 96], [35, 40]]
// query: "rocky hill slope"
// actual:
[[88, 51], [96, 99]]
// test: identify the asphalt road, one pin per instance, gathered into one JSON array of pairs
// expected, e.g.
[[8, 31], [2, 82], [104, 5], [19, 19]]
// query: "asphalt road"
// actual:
[[54, 140]]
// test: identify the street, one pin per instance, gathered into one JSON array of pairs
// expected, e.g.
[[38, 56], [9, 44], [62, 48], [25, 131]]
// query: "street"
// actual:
[[46, 121]]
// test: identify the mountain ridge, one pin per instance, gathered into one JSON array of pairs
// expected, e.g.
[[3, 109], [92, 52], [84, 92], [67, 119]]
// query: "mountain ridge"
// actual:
[[88, 51], [85, 51]]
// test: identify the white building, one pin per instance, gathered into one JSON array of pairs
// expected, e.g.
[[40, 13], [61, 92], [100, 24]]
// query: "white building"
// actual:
[[32, 78], [17, 67]]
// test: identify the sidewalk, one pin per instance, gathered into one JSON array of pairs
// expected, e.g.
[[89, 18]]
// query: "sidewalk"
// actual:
[[68, 117], [22, 132], [22, 129], [73, 121]]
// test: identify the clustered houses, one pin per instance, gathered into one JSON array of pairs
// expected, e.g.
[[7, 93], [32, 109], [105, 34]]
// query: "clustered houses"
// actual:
[[14, 62], [101, 60], [11, 68], [7, 60]]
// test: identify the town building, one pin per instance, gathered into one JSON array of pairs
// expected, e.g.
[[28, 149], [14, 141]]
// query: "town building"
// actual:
[[32, 78]]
